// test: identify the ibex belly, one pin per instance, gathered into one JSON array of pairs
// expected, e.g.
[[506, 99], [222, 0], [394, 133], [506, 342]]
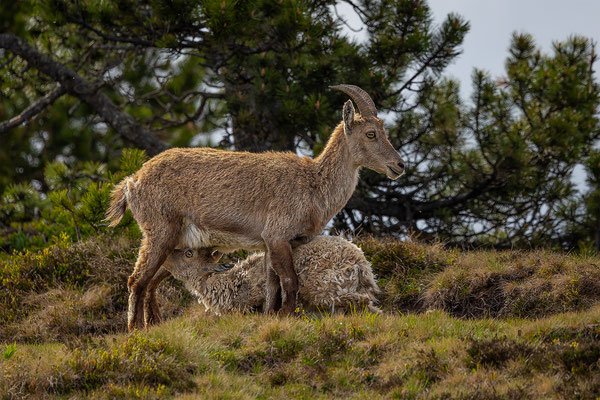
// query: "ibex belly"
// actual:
[[194, 237]]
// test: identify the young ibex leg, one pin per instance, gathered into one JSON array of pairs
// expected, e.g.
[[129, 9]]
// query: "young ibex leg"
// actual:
[[153, 253], [151, 308], [279, 257]]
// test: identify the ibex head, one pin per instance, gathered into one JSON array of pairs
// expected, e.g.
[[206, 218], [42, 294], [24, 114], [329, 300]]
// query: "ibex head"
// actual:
[[366, 135], [185, 264]]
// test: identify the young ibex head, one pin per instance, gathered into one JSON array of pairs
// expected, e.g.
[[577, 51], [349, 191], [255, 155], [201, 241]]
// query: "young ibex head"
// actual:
[[368, 142], [184, 264]]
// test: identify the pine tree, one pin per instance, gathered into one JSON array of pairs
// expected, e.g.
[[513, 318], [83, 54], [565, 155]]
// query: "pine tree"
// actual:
[[255, 76]]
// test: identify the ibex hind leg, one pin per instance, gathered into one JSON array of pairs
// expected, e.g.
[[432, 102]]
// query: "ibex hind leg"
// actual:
[[151, 308], [154, 251]]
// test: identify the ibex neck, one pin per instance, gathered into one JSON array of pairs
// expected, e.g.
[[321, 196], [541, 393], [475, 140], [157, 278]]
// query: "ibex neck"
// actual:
[[337, 172]]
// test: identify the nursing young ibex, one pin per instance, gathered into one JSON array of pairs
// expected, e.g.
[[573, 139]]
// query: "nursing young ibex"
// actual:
[[333, 274], [202, 197]]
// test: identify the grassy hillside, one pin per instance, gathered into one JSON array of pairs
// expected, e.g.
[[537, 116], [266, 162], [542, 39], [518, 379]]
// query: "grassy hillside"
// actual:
[[456, 325]]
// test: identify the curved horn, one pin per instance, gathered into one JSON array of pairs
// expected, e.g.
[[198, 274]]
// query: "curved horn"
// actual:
[[363, 101]]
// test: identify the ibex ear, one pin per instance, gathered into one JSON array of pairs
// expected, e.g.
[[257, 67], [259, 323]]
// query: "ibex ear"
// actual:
[[215, 256], [348, 116]]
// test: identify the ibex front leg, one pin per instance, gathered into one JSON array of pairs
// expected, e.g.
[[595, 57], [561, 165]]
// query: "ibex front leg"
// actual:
[[279, 258], [272, 289]]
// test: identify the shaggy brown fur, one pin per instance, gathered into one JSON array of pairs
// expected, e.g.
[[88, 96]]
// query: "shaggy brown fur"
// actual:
[[201, 197]]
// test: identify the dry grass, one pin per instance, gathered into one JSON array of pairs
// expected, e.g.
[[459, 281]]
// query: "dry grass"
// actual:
[[404, 269], [69, 291]]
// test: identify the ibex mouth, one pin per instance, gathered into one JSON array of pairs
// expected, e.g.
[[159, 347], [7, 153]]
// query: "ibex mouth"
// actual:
[[224, 267], [395, 174]]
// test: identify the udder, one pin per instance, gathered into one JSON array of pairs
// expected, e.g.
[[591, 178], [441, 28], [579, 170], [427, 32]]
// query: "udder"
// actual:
[[195, 237]]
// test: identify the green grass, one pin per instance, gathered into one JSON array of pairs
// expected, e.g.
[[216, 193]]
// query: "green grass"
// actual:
[[456, 325]]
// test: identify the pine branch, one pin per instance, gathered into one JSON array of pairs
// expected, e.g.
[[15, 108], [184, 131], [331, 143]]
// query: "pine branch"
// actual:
[[33, 110], [75, 85]]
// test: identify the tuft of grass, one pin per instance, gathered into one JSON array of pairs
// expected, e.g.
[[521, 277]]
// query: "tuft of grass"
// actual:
[[140, 359], [128, 367], [69, 290], [9, 351], [533, 331], [496, 352], [515, 283], [419, 356]]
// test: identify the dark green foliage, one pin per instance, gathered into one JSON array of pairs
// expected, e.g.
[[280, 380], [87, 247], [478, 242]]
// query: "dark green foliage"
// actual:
[[480, 172], [74, 205], [583, 212]]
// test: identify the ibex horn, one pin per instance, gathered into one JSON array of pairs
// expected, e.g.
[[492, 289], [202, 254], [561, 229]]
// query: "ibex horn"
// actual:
[[363, 101]]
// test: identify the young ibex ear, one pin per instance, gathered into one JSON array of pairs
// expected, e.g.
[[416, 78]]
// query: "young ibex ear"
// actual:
[[348, 116], [215, 255]]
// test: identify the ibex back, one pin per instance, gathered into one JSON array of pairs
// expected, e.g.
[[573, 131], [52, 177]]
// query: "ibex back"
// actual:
[[202, 197]]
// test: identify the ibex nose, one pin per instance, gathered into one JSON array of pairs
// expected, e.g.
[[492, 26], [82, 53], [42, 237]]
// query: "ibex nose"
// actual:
[[401, 164]]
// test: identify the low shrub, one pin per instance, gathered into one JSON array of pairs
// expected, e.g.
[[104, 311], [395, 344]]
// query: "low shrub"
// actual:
[[404, 269], [73, 289], [138, 360]]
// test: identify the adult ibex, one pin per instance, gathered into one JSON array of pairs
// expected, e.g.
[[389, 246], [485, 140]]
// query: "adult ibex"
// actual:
[[202, 197]]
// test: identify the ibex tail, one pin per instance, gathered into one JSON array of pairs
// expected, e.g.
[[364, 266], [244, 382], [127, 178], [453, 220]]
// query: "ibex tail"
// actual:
[[118, 203]]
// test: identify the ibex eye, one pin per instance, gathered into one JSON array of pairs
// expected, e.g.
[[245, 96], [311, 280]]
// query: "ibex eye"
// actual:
[[189, 253], [371, 134]]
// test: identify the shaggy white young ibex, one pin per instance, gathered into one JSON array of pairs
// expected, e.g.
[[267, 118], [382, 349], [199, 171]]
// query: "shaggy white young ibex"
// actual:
[[202, 197], [333, 274]]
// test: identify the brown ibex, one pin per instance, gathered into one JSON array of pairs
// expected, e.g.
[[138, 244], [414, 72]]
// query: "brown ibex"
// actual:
[[202, 197]]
